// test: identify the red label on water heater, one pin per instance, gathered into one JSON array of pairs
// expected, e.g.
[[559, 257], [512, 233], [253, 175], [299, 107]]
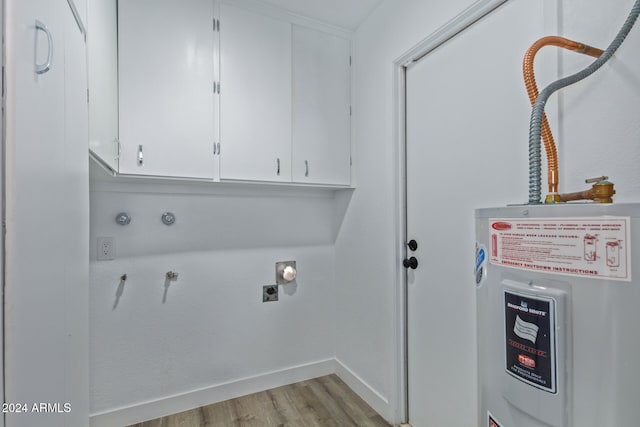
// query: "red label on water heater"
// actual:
[[492, 421], [598, 248]]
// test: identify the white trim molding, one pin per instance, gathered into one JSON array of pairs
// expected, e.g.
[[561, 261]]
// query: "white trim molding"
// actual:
[[218, 393], [377, 401], [460, 22]]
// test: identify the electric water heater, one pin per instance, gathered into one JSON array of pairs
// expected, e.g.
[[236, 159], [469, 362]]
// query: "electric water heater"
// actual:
[[558, 306]]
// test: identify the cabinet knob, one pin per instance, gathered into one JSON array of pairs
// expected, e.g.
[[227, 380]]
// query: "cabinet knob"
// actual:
[[413, 245]]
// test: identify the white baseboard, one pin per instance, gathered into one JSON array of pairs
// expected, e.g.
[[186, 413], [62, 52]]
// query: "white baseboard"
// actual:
[[218, 393], [378, 402]]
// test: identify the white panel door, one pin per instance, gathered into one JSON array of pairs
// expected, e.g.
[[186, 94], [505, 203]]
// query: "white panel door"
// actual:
[[255, 96], [321, 107], [467, 131], [166, 75]]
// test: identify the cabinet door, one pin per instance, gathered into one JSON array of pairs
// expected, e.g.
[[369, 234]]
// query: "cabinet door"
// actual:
[[47, 214], [102, 56], [321, 108], [255, 96], [166, 100]]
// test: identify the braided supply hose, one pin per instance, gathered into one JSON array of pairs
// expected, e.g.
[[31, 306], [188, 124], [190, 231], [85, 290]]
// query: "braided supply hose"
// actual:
[[532, 90], [537, 113]]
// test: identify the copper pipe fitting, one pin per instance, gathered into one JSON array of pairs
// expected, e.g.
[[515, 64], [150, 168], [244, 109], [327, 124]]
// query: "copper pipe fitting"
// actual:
[[532, 91], [600, 192]]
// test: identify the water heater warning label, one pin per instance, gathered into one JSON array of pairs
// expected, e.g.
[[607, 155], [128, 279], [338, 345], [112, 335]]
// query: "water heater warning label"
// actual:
[[492, 421], [530, 341], [586, 247]]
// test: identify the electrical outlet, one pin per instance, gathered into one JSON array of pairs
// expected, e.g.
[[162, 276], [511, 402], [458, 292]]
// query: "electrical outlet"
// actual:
[[106, 249], [270, 293]]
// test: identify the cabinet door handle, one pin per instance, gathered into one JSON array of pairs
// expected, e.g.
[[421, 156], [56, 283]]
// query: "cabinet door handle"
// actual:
[[43, 68], [140, 156], [306, 168], [278, 166]]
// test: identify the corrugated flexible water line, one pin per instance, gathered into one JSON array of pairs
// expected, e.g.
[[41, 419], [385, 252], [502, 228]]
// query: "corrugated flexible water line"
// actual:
[[535, 126], [532, 91]]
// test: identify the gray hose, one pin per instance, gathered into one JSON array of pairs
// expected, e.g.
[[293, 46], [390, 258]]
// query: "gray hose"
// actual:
[[535, 126]]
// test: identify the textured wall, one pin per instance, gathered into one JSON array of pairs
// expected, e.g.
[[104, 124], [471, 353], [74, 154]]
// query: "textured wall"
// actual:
[[600, 127], [211, 326]]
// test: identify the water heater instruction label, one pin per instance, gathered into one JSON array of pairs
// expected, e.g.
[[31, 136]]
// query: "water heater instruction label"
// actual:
[[585, 247]]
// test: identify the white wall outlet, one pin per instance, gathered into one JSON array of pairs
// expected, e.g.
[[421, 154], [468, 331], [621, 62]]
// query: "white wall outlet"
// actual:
[[106, 249]]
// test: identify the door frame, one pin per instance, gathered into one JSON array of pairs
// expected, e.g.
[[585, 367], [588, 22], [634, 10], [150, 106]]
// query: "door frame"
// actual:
[[3, 127], [457, 24]]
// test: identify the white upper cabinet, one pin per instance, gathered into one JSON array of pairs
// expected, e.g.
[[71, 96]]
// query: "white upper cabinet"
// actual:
[[255, 96], [166, 87], [321, 108], [80, 7], [218, 90], [102, 57]]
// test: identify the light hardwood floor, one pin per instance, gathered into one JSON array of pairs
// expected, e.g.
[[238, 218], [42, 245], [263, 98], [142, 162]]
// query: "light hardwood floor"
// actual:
[[321, 402]]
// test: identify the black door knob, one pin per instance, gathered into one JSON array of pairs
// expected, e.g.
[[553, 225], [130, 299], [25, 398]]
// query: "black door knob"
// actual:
[[413, 245], [410, 263]]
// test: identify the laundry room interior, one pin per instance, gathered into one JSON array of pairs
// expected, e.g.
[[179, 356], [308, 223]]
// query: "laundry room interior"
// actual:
[[205, 199]]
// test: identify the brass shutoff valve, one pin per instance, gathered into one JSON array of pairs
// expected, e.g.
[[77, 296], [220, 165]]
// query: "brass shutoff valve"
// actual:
[[600, 192]]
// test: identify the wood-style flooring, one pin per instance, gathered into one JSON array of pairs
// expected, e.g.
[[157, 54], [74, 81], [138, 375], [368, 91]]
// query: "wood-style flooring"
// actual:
[[321, 402]]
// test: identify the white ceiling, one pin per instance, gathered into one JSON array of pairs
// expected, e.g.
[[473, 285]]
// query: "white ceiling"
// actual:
[[347, 14]]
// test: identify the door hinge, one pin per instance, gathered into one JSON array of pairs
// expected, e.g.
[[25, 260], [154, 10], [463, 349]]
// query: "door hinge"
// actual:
[[350, 111], [118, 148], [87, 95], [349, 60]]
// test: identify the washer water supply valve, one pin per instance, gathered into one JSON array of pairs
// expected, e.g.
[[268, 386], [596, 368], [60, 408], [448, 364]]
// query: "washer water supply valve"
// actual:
[[123, 218]]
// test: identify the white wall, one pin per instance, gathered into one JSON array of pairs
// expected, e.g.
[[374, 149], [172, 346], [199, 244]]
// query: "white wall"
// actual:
[[211, 337], [600, 128], [366, 260], [216, 230]]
